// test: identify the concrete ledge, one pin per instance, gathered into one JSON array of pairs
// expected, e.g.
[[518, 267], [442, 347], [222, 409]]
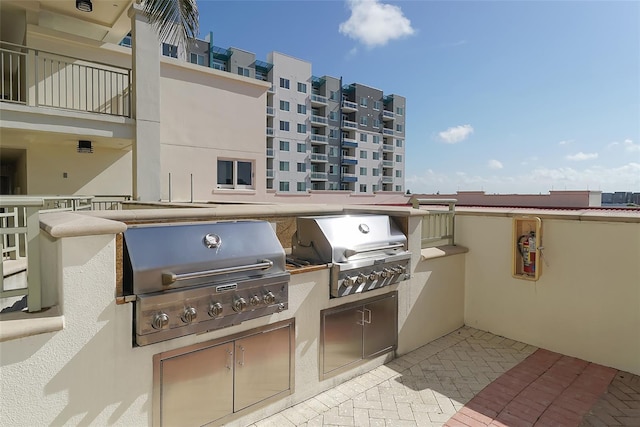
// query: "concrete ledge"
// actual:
[[21, 324], [442, 251], [67, 224]]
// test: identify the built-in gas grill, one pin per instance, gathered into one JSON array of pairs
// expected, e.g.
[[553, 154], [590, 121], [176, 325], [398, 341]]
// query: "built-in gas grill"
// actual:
[[366, 251], [195, 277]]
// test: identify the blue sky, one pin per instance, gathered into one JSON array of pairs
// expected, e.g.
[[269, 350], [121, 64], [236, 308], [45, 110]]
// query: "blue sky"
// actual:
[[504, 96]]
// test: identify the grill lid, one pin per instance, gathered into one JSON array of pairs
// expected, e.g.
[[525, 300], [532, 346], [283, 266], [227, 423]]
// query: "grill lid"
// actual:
[[346, 238], [163, 257]]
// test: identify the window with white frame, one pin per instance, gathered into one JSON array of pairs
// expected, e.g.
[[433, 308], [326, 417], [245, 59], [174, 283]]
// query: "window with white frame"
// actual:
[[363, 137], [363, 171], [375, 155], [334, 133], [333, 151], [363, 120], [233, 173], [284, 83], [376, 105], [302, 128], [301, 186], [398, 174], [399, 128], [243, 71], [194, 58], [400, 111], [333, 115], [375, 172], [302, 109], [284, 145], [398, 187], [333, 95], [374, 188], [363, 102], [284, 166], [376, 123], [302, 148], [302, 87], [284, 105], [376, 139], [398, 158], [363, 154], [302, 167], [363, 188], [399, 142], [284, 185], [333, 169], [169, 50], [284, 125]]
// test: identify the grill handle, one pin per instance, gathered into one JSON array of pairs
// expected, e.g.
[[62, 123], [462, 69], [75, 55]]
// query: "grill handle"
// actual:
[[169, 278], [351, 252]]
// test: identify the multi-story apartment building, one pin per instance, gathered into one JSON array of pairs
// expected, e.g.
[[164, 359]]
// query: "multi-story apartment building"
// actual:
[[320, 133]]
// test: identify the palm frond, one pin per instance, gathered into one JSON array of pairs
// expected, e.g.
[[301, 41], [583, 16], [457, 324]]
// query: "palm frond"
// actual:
[[174, 20]]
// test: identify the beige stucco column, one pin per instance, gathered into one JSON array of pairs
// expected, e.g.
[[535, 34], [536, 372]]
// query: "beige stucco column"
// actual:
[[146, 107]]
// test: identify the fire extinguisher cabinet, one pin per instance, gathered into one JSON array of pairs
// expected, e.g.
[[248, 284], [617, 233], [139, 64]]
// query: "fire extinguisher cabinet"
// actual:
[[527, 244]]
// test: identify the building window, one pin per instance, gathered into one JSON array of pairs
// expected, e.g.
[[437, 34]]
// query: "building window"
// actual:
[[333, 151], [363, 171], [376, 105], [302, 128], [399, 128], [334, 133], [398, 187], [398, 174], [284, 185], [284, 105], [399, 143], [302, 186], [333, 115], [235, 174], [376, 155], [363, 137], [284, 145], [284, 166], [219, 65], [376, 139], [363, 154], [374, 188], [194, 58], [333, 170], [126, 41], [302, 109], [363, 188], [363, 120], [376, 123], [375, 172], [333, 186], [302, 87], [284, 125], [302, 148], [400, 111], [363, 102], [285, 84], [333, 95], [302, 167], [169, 50], [243, 71], [398, 158]]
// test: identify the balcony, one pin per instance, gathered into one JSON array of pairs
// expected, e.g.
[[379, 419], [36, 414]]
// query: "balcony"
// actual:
[[349, 106], [270, 173], [269, 131], [349, 124], [387, 163], [387, 131], [271, 111], [388, 115], [319, 139], [63, 82], [387, 147], [349, 143], [349, 160], [270, 152], [319, 158], [319, 176], [318, 100], [387, 179], [271, 89], [319, 120], [349, 177]]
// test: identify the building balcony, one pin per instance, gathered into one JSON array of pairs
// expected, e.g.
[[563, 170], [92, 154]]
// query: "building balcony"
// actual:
[[388, 115], [270, 131], [387, 179], [387, 163], [318, 139], [349, 143], [387, 131], [45, 79], [271, 111], [319, 120], [319, 176], [387, 147], [319, 158], [349, 106], [349, 124], [318, 100], [349, 177], [270, 152], [270, 173], [349, 160]]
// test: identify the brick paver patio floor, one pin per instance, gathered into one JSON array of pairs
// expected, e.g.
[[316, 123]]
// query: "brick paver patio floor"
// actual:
[[474, 378]]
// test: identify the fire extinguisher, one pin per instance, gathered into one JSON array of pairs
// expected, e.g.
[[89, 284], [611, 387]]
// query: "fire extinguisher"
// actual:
[[527, 248]]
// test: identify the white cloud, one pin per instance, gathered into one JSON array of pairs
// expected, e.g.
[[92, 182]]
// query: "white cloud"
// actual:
[[375, 24], [565, 142], [582, 156], [495, 164], [456, 134], [630, 146]]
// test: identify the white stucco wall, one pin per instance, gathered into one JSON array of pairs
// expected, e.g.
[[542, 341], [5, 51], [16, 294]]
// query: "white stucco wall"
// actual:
[[587, 301]]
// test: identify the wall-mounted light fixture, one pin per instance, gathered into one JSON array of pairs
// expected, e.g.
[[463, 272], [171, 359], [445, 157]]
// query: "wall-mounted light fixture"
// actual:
[[84, 5], [85, 146]]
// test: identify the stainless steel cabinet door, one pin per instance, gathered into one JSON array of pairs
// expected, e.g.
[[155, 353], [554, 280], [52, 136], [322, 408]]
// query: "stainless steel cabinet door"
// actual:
[[262, 366], [380, 326], [342, 338], [195, 387]]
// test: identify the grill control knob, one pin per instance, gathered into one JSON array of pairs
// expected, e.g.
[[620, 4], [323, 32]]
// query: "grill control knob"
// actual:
[[189, 315], [361, 278], [400, 269], [386, 272], [255, 300], [374, 275], [349, 281], [269, 298], [215, 309], [160, 321], [239, 305]]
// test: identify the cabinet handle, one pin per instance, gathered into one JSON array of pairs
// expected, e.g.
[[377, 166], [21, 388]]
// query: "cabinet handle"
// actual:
[[241, 361], [229, 361], [361, 321], [368, 315]]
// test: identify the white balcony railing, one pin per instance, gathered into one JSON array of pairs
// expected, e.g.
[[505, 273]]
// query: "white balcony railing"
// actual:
[[63, 81], [438, 226], [319, 119], [317, 99], [319, 157], [349, 105], [387, 131], [271, 111], [319, 138], [349, 124], [319, 176]]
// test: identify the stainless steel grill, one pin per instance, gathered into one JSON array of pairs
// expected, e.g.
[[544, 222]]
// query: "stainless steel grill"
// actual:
[[195, 277], [366, 251]]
